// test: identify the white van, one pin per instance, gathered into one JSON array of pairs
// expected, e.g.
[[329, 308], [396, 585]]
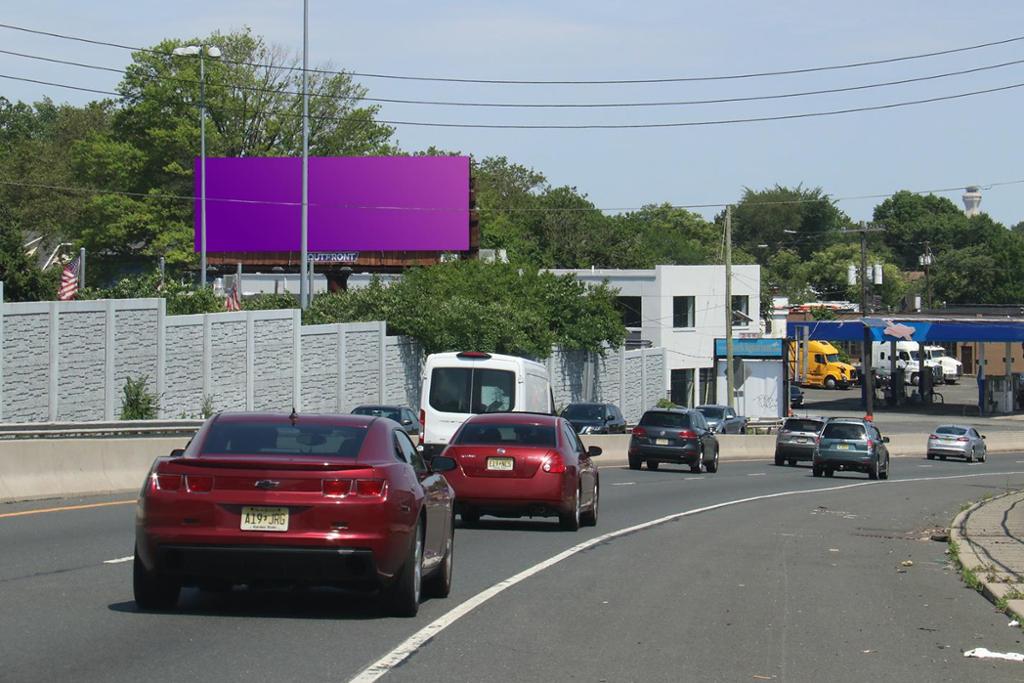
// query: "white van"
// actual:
[[907, 358], [457, 385]]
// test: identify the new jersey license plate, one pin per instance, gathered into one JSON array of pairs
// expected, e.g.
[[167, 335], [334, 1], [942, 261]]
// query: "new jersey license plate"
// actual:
[[264, 519], [503, 464], [661, 442]]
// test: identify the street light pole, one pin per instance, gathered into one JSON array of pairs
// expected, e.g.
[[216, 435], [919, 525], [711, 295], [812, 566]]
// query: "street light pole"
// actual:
[[304, 246]]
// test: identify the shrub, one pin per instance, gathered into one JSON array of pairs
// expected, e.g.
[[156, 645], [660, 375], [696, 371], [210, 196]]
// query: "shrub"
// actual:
[[138, 403]]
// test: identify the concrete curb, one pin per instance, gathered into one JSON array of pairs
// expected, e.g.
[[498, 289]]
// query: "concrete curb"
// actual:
[[968, 558]]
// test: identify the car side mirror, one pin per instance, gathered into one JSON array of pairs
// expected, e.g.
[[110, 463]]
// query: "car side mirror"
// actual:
[[609, 418], [885, 439], [983, 436], [442, 463], [177, 452], [406, 422], [594, 451]]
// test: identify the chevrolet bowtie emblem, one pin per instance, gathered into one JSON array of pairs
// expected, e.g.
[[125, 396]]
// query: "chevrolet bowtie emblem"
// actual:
[[267, 484]]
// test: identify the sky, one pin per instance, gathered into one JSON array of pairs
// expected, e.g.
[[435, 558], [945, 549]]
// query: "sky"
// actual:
[[937, 145]]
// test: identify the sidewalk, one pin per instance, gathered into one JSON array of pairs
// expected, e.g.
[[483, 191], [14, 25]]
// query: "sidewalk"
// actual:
[[990, 540]]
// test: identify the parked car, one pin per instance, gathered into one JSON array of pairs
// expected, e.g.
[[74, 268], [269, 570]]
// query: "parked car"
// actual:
[[296, 499], [403, 415], [523, 464], [958, 441], [796, 439], [796, 396], [723, 419], [680, 436], [595, 418], [851, 444]]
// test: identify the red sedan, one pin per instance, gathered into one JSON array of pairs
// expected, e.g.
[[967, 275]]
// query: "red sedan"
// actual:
[[339, 500], [516, 464]]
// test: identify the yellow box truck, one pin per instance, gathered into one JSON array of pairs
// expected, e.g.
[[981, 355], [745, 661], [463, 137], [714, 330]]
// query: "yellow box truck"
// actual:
[[821, 368]]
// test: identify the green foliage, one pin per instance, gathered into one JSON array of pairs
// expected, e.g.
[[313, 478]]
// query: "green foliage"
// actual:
[[22, 278], [485, 307], [267, 301], [665, 404], [137, 402], [206, 409], [182, 298], [805, 220]]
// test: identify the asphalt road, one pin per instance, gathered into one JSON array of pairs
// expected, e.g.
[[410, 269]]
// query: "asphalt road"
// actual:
[[806, 586]]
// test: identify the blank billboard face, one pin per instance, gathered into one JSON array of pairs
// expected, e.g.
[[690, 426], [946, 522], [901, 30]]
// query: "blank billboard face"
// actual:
[[254, 204]]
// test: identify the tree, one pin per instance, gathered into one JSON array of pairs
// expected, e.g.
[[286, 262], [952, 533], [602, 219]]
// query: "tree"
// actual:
[[802, 220], [910, 220], [22, 278], [669, 235]]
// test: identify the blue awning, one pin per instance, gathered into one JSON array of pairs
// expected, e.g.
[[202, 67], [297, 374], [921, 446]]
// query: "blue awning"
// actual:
[[890, 329]]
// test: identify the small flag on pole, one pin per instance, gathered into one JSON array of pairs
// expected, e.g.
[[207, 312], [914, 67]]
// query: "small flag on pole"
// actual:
[[233, 302], [69, 280]]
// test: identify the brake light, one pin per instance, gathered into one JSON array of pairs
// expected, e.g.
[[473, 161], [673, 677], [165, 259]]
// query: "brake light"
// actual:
[[370, 487], [871, 444], [687, 434], [198, 483], [932, 436], [474, 354], [423, 425], [963, 439], [166, 482], [554, 464], [639, 431], [337, 487]]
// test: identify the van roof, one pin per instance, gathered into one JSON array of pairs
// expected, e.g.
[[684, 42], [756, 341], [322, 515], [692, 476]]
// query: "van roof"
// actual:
[[453, 358]]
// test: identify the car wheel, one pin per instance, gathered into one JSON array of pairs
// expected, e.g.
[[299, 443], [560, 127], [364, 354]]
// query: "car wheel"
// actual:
[[884, 474], [913, 378], [589, 518], [942, 457], [712, 466], [439, 584], [634, 463], [153, 590], [779, 460], [829, 471], [930, 456], [830, 382], [470, 516], [570, 521], [816, 471], [970, 456], [984, 455], [698, 466], [873, 472], [405, 592], [792, 463], [652, 464]]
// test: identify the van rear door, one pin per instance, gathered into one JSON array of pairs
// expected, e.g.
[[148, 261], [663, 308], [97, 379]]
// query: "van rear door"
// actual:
[[458, 391]]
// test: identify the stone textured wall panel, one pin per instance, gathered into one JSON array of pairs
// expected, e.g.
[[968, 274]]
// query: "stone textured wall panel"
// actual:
[[362, 368], [183, 375], [319, 373], [82, 366], [404, 372], [273, 364], [26, 363], [135, 342]]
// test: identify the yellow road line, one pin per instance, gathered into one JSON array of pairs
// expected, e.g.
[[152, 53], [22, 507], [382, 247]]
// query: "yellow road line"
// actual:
[[66, 507]]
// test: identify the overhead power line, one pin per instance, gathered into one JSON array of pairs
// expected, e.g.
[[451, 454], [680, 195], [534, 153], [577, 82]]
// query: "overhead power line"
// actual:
[[672, 79], [596, 126], [533, 105]]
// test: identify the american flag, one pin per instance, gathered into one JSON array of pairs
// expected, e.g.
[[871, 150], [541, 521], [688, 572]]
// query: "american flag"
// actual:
[[69, 280], [233, 302]]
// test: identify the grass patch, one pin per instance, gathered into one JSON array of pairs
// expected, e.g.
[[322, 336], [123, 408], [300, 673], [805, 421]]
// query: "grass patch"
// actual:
[[966, 573]]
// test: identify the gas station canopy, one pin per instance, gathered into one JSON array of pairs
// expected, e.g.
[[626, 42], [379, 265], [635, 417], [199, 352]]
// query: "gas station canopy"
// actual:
[[910, 329]]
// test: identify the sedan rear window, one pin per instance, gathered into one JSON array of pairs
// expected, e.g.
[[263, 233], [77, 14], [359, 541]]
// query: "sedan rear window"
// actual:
[[583, 411], [656, 419], [256, 438], [801, 425], [379, 411], [711, 412], [840, 430], [956, 431], [481, 433]]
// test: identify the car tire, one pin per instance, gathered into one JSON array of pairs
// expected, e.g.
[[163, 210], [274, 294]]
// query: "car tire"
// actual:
[[439, 584], [404, 594], [884, 474], [635, 463], [873, 472], [652, 464], [470, 517], [830, 382], [930, 456], [970, 456], [589, 518], [712, 467], [698, 466], [153, 591], [792, 462], [913, 378], [779, 460], [942, 457], [570, 521], [829, 472], [816, 471]]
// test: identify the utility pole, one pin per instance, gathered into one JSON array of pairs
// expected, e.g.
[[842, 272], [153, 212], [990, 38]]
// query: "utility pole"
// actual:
[[729, 379], [868, 378], [304, 236], [926, 261]]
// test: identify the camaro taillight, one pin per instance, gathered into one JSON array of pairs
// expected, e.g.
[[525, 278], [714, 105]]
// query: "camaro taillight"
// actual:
[[198, 483], [166, 482], [687, 434], [639, 431], [337, 487], [554, 464], [370, 487]]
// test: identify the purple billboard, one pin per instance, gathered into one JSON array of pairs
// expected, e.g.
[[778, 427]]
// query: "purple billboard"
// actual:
[[254, 204]]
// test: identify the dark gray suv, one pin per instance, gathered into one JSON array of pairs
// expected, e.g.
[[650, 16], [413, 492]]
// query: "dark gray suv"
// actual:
[[679, 436], [795, 442], [595, 418], [851, 444]]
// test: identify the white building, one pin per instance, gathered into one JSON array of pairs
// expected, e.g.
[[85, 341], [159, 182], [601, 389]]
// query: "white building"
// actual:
[[682, 308]]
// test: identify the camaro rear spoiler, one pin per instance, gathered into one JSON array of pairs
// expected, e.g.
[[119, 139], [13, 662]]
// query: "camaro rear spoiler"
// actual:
[[269, 462]]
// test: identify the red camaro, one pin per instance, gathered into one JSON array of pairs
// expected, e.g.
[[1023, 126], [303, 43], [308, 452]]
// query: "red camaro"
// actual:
[[516, 464], [340, 500]]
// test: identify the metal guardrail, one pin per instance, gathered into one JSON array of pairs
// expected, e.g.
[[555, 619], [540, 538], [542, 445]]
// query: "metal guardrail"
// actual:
[[63, 430], [763, 425]]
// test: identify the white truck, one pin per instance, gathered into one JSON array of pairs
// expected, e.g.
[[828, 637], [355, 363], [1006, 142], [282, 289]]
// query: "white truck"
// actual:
[[907, 358], [952, 369]]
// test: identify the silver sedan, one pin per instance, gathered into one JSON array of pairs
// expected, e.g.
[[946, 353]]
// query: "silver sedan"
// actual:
[[958, 441]]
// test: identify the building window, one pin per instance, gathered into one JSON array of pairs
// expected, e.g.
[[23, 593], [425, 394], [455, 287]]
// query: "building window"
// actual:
[[629, 307], [741, 310], [681, 388], [707, 386], [682, 311]]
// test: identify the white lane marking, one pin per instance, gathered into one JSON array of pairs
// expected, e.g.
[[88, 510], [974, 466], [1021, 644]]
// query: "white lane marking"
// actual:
[[624, 483], [119, 560], [758, 474], [924, 465], [414, 642]]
